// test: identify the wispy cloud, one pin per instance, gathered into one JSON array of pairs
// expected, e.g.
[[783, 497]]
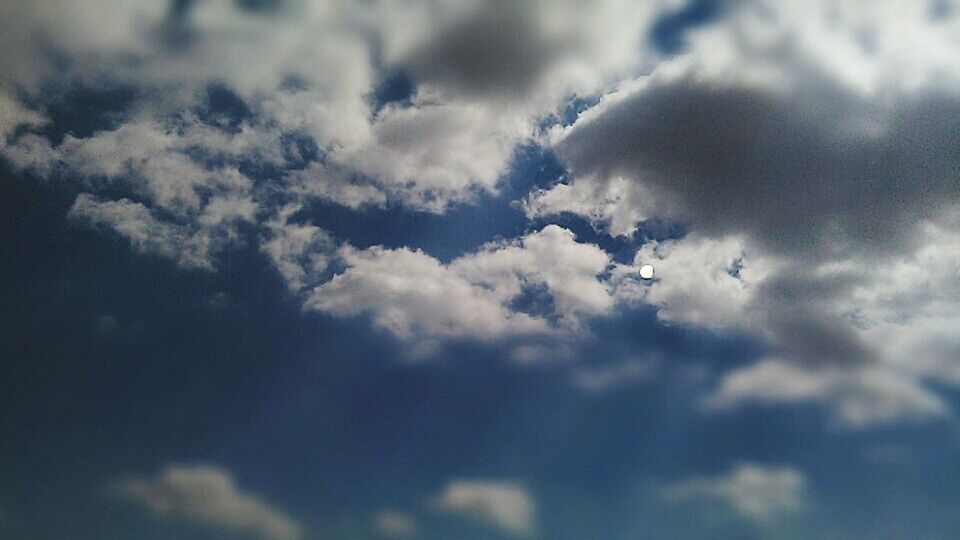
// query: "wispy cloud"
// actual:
[[757, 493]]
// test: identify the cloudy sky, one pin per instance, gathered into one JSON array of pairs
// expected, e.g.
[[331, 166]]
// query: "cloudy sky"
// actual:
[[294, 270]]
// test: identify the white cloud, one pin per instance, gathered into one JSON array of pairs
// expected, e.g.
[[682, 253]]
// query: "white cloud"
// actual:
[[305, 71], [616, 205], [764, 147], [413, 295], [551, 257], [145, 232], [891, 314], [869, 47], [503, 504], [455, 138], [300, 251], [416, 297], [705, 281], [210, 496], [861, 396], [778, 136], [394, 524], [757, 493], [155, 158]]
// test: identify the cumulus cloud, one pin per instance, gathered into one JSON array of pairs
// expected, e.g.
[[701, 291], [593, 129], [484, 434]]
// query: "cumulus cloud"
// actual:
[[209, 495], [145, 232], [237, 110], [702, 280], [412, 294], [155, 159], [300, 251], [416, 297], [551, 257], [187, 210], [807, 147], [757, 493], [309, 69], [502, 504], [862, 338]]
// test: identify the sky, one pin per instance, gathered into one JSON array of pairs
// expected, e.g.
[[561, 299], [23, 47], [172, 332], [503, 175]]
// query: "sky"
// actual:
[[293, 270]]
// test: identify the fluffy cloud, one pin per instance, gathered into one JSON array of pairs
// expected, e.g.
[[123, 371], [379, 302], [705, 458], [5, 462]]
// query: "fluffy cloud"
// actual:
[[416, 297], [145, 232], [187, 210], [807, 146], [503, 504], [210, 496], [552, 258], [861, 338], [311, 70], [701, 280], [413, 295], [299, 251], [236, 110], [758, 493]]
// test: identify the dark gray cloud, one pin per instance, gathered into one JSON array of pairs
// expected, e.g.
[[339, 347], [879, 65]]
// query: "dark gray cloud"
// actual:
[[805, 181], [800, 319], [813, 146], [501, 49], [795, 176]]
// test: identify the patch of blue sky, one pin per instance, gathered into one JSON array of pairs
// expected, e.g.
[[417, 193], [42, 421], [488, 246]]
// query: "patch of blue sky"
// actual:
[[667, 33]]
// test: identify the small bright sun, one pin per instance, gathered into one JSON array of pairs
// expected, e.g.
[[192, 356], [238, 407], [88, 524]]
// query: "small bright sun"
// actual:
[[646, 271]]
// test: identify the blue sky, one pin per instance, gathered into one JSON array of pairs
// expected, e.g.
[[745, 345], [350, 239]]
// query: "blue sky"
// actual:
[[277, 270]]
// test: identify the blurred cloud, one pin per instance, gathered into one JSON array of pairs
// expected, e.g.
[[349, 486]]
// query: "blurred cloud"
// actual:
[[208, 495], [394, 524], [502, 504], [861, 397], [757, 493]]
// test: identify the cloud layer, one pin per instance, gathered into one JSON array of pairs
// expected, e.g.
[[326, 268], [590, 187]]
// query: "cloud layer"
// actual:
[[808, 148]]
